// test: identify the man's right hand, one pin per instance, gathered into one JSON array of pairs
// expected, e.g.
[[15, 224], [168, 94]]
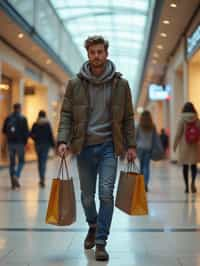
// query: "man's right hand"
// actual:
[[63, 150]]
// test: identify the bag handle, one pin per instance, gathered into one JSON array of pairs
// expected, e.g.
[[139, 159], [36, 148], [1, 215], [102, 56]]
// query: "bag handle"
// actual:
[[132, 167], [63, 165]]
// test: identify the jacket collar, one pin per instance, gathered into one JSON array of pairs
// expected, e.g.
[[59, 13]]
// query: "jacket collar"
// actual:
[[117, 76]]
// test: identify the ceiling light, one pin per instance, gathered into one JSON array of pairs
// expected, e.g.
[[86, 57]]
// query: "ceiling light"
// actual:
[[167, 22], [48, 61], [156, 55], [173, 5], [4, 87], [154, 61], [20, 35], [159, 46], [140, 109], [163, 34]]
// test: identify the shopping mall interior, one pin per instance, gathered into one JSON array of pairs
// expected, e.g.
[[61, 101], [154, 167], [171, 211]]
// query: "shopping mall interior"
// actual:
[[155, 45]]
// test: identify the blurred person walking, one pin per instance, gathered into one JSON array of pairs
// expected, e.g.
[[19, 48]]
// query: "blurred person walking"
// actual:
[[42, 135], [164, 139], [187, 140], [96, 124], [15, 127], [144, 142]]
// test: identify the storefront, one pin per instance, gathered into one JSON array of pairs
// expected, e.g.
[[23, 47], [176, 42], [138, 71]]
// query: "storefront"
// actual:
[[34, 89], [5, 106], [193, 57], [183, 76]]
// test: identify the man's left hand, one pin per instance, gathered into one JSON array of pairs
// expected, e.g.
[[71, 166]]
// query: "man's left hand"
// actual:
[[131, 155]]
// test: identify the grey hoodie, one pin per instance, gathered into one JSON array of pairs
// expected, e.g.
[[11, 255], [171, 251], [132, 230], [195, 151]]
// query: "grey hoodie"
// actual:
[[99, 126]]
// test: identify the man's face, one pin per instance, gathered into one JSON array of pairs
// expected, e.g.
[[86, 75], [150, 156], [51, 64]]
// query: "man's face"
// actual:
[[97, 55]]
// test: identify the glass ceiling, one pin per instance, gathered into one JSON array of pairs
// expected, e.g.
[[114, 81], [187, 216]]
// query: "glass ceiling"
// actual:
[[124, 23]]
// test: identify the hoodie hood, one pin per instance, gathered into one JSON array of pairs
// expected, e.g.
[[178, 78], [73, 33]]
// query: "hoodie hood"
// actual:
[[107, 75], [42, 120], [189, 117]]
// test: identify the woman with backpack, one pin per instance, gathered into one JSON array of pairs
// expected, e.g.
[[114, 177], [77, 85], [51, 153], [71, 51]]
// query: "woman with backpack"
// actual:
[[187, 140], [42, 135]]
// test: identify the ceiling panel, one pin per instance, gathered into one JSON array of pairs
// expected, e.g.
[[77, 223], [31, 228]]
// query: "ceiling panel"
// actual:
[[125, 23]]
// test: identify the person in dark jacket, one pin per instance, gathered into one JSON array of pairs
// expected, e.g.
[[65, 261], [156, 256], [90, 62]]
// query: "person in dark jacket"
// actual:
[[15, 128], [42, 135], [164, 139]]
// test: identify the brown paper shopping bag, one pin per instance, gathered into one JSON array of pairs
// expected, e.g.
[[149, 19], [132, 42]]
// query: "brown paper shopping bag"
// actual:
[[61, 207], [131, 195]]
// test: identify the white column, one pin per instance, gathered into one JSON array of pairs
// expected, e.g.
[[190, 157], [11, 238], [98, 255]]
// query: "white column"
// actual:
[[21, 91], [0, 109], [18, 91], [0, 70], [185, 81], [172, 116]]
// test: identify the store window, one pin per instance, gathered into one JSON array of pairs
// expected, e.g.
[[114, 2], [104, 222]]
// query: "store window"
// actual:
[[5, 108]]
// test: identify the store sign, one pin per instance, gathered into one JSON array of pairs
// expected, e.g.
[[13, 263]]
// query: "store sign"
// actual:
[[158, 92], [193, 42], [29, 90]]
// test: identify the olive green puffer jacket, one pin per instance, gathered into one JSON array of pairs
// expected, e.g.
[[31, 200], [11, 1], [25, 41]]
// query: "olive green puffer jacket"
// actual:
[[75, 112]]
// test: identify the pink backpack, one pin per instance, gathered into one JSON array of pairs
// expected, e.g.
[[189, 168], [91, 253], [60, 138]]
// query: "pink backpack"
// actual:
[[192, 132]]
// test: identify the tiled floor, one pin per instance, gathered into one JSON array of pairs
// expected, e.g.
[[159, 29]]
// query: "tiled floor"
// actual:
[[168, 236]]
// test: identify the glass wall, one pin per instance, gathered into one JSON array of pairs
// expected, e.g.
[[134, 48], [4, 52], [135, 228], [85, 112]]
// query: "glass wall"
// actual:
[[42, 16]]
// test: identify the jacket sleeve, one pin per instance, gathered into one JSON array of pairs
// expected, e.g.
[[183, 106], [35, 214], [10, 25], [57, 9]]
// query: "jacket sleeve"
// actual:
[[51, 137], [25, 130], [179, 133], [65, 124], [129, 127], [33, 131], [4, 128]]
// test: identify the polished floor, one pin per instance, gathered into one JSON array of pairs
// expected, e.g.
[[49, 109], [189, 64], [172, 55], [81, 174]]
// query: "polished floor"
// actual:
[[168, 236]]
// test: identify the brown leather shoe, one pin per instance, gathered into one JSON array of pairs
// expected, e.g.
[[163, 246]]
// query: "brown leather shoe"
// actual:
[[90, 238], [100, 253]]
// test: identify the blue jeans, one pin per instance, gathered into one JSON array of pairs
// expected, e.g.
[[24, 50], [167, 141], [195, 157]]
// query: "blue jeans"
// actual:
[[16, 150], [42, 155], [144, 158], [98, 159]]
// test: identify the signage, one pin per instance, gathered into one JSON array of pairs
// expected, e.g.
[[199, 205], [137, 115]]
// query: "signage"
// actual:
[[193, 42], [158, 92], [29, 90]]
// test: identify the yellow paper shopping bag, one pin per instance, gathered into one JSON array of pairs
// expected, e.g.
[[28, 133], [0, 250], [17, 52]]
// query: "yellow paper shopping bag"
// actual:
[[131, 195], [61, 206]]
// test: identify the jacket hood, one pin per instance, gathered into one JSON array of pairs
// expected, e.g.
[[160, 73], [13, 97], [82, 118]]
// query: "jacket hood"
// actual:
[[42, 120], [189, 117], [107, 75]]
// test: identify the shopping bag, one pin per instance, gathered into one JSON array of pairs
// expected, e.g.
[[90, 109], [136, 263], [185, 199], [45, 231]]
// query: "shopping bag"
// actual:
[[157, 152], [61, 206], [131, 195]]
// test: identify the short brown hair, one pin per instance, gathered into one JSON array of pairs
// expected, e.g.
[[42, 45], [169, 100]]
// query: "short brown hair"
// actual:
[[96, 39]]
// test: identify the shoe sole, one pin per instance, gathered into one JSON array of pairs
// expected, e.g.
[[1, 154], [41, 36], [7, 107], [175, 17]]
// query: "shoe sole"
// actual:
[[101, 259]]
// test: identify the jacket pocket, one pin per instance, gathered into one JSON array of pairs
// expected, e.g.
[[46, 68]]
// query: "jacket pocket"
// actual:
[[80, 113]]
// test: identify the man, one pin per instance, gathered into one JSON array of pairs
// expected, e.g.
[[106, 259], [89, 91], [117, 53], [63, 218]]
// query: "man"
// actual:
[[97, 124], [15, 128]]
